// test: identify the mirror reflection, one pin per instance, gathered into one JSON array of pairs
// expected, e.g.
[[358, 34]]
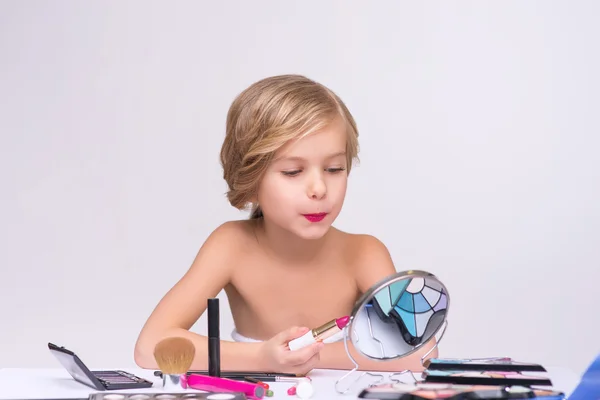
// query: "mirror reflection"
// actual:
[[399, 316]]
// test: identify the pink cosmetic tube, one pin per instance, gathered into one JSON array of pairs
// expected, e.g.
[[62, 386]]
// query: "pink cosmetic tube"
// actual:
[[215, 384]]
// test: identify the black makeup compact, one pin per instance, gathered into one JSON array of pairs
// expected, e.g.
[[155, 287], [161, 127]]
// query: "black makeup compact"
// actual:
[[99, 380]]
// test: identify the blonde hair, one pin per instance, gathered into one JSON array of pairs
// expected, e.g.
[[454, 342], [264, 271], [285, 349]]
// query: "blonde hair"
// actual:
[[263, 118]]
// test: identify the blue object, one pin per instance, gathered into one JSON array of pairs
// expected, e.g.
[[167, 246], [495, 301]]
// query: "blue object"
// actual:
[[589, 386], [411, 304]]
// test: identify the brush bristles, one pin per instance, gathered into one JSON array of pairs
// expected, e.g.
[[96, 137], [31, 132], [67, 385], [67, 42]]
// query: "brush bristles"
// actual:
[[174, 355]]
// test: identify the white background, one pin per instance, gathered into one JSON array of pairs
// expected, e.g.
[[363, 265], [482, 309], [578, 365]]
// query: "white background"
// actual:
[[479, 131]]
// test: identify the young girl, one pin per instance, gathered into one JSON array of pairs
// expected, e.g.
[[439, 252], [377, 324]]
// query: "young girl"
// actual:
[[289, 147]]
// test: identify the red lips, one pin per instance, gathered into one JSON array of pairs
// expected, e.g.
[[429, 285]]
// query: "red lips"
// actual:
[[315, 217]]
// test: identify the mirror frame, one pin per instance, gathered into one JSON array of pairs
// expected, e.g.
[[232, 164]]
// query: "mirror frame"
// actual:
[[359, 304], [379, 285]]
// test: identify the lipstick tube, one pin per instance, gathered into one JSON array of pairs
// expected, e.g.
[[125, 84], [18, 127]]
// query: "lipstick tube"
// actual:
[[321, 333], [216, 384]]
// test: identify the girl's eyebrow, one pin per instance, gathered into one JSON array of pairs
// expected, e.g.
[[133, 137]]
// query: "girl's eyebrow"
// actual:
[[297, 158]]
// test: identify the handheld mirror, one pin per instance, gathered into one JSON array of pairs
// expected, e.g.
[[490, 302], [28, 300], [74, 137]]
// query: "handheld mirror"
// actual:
[[396, 317]]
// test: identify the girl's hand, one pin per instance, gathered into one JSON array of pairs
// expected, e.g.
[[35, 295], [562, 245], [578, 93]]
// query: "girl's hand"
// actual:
[[276, 356]]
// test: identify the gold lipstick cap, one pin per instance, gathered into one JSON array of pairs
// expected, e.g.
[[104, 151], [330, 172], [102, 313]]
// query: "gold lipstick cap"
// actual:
[[324, 328]]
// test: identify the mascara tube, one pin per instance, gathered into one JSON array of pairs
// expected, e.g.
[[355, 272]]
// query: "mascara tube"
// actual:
[[214, 338], [215, 384]]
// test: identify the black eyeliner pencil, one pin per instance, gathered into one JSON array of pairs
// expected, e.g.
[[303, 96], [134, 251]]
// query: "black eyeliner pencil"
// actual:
[[258, 380], [241, 375]]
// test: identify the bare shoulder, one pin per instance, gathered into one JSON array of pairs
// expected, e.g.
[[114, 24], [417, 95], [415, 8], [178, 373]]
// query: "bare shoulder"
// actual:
[[209, 273], [368, 257], [224, 244], [237, 231]]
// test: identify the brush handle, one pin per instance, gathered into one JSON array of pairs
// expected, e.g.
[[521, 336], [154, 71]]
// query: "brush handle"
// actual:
[[174, 382], [215, 384]]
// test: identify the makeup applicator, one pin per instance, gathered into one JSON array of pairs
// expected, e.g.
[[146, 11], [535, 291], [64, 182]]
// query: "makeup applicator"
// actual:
[[174, 357]]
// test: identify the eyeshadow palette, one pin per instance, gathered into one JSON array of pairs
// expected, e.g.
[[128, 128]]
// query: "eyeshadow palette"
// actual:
[[504, 378], [99, 380], [168, 396], [424, 391], [481, 364]]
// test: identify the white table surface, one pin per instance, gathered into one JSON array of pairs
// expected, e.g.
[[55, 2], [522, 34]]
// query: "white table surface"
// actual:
[[56, 383]]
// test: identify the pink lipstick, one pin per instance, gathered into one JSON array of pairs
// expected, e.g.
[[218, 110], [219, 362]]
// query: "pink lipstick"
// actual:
[[315, 217], [321, 333]]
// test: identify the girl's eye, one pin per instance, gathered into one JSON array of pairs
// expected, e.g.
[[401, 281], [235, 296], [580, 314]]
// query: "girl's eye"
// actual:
[[330, 170]]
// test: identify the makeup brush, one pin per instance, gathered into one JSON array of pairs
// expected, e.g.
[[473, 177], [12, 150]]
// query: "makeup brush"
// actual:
[[174, 357]]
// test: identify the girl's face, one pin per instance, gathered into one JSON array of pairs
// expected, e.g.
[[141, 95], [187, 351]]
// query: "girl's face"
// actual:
[[303, 189]]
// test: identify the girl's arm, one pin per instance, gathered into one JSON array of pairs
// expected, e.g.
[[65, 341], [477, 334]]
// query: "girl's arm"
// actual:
[[181, 307], [372, 264]]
